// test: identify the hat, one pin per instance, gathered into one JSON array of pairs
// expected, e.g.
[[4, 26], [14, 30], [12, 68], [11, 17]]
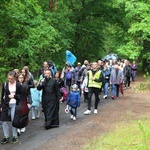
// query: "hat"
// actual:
[[67, 63], [79, 63], [75, 86]]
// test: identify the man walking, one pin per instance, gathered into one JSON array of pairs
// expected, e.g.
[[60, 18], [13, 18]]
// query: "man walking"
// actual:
[[116, 78], [50, 100], [94, 84]]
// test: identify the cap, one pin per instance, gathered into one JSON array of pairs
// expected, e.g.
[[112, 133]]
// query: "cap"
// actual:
[[67, 63], [79, 63]]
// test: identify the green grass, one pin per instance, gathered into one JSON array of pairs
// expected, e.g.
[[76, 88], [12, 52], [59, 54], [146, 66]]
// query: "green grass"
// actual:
[[134, 135]]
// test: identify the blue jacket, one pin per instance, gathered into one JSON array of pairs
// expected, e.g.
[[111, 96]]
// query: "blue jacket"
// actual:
[[106, 75], [35, 96], [73, 99]]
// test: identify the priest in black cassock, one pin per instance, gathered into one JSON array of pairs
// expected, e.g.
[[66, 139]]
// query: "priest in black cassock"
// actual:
[[50, 100]]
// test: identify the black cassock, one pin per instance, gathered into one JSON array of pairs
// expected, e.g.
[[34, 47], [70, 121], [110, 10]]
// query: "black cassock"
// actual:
[[50, 102]]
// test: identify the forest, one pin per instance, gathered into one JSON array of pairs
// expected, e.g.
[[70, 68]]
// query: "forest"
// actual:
[[34, 31]]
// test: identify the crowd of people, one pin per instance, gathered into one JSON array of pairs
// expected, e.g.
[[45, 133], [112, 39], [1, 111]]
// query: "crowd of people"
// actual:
[[54, 87]]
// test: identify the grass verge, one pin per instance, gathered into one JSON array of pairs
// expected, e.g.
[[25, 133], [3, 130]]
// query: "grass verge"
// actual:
[[134, 135]]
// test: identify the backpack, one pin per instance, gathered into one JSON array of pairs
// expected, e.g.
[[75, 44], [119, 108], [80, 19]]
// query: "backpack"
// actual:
[[21, 114], [69, 75], [65, 94]]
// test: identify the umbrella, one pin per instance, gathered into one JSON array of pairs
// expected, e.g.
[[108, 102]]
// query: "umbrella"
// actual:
[[111, 57], [121, 88], [70, 58]]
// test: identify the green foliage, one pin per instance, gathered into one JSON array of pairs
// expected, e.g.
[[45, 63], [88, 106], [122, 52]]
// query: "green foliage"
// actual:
[[32, 31]]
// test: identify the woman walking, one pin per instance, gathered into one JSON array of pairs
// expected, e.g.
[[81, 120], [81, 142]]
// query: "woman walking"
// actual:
[[10, 97]]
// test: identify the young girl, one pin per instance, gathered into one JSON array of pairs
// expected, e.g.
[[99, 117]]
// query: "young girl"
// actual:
[[21, 80], [73, 101], [36, 99]]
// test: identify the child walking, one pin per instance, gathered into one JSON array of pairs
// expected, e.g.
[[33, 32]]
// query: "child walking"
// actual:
[[36, 99], [73, 101]]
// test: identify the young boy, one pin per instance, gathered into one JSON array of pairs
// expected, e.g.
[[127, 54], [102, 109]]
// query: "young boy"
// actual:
[[73, 101]]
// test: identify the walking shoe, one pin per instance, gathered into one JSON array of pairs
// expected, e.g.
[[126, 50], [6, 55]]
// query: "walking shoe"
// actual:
[[14, 140], [33, 118], [87, 112], [105, 96], [18, 132], [23, 130], [95, 111], [74, 118], [113, 97], [5, 140], [71, 117], [38, 115]]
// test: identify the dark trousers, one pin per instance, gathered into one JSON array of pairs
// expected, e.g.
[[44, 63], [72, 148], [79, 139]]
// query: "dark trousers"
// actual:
[[117, 89], [127, 81], [96, 92], [85, 96]]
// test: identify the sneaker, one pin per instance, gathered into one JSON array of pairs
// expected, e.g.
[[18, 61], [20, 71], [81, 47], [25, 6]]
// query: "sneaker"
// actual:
[[113, 97], [38, 115], [5, 140], [71, 117], [105, 96], [74, 118], [95, 111], [14, 140], [23, 130], [87, 112], [33, 118]]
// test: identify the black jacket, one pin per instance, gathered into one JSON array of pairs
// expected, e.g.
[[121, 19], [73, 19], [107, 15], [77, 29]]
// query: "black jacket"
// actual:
[[5, 99]]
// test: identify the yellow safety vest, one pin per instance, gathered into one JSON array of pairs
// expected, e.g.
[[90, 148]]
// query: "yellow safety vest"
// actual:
[[93, 83]]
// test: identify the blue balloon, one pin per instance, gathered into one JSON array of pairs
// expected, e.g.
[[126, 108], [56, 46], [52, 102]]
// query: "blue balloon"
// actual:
[[70, 58]]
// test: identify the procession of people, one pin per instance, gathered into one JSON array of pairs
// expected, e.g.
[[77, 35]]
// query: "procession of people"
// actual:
[[70, 85]]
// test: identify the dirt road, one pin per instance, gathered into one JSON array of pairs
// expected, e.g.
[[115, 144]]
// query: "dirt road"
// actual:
[[72, 135]]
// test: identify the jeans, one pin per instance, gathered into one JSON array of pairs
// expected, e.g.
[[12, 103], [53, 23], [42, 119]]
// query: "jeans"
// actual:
[[115, 90], [35, 110], [73, 111], [5, 123], [133, 75], [106, 84]]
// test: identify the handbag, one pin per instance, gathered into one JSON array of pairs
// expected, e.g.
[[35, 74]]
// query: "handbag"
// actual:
[[21, 118]]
